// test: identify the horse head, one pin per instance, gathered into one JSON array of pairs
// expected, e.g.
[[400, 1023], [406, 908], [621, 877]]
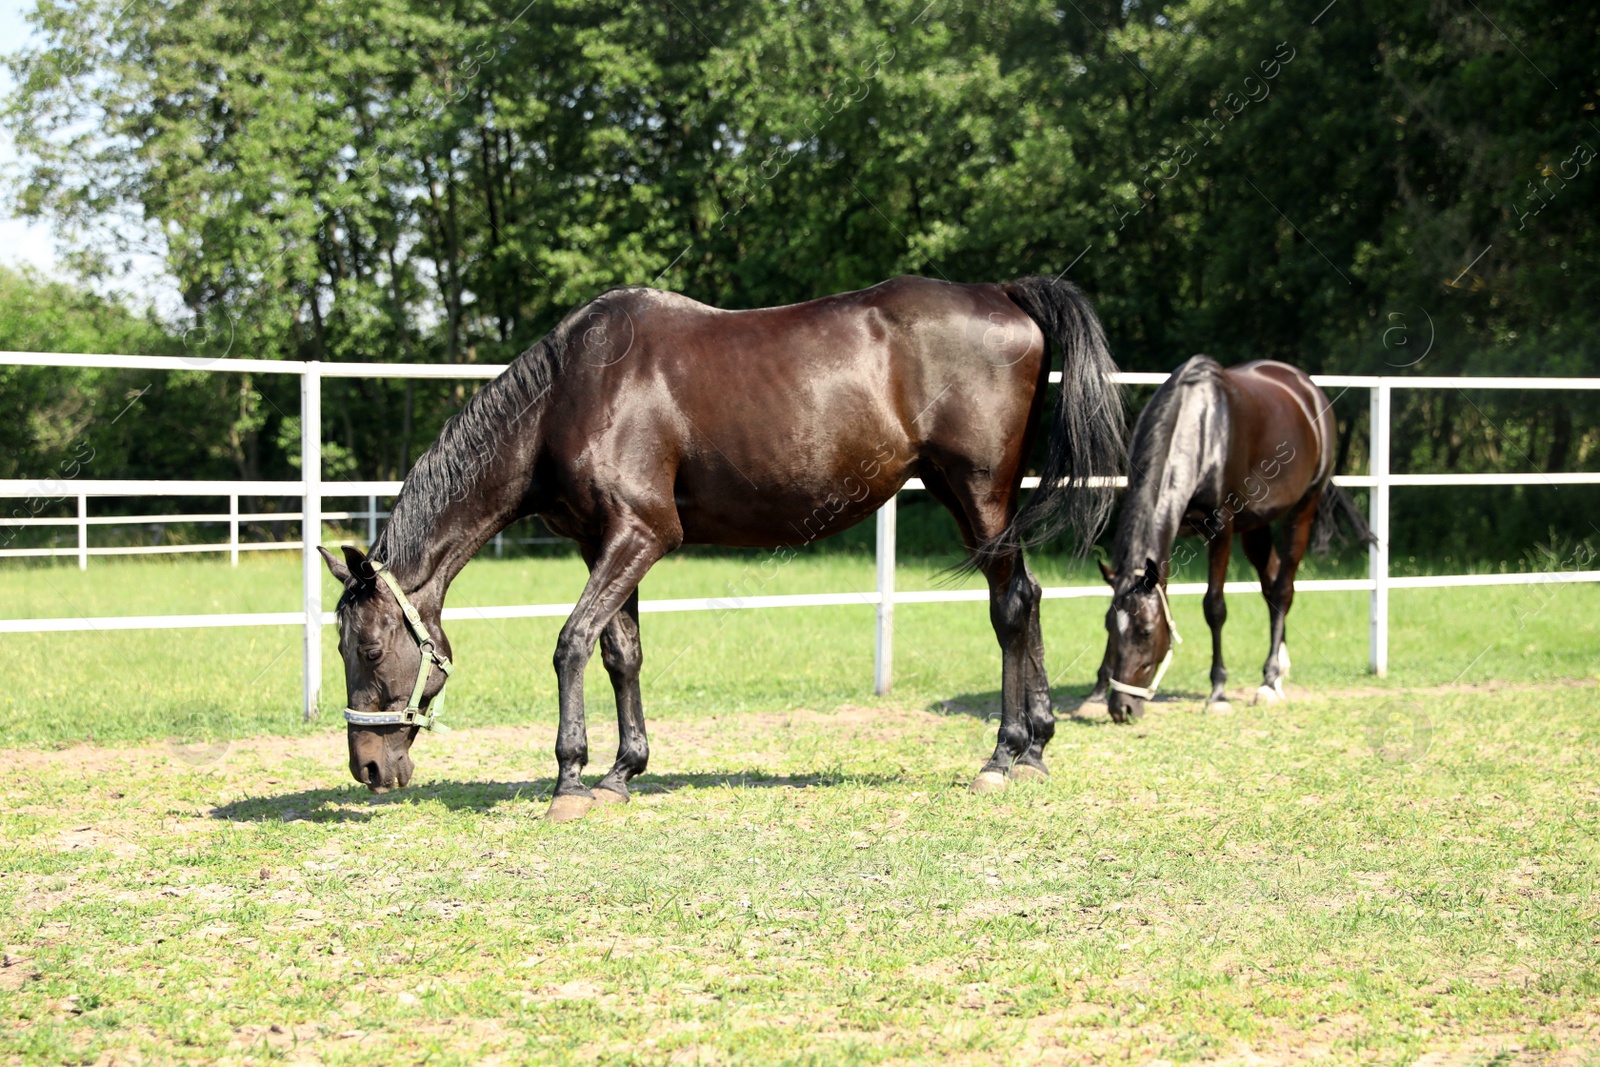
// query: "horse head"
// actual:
[[396, 663], [1140, 637]]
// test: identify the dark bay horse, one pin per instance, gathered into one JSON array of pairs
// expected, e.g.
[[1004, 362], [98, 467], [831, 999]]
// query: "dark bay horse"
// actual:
[[645, 421], [1218, 451]]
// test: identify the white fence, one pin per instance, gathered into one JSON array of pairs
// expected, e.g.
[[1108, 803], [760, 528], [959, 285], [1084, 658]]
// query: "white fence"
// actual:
[[232, 517], [312, 490]]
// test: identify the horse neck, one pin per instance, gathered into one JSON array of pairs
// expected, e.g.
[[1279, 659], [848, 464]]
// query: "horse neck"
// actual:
[[1160, 487], [442, 535]]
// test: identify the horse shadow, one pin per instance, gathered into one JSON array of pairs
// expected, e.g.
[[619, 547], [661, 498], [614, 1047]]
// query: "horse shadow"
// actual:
[[352, 803], [1067, 703]]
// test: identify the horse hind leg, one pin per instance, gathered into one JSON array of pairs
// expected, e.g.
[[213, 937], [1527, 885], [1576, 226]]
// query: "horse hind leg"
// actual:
[[1258, 547], [1013, 599], [1279, 592], [1026, 719], [1041, 716], [1296, 536]]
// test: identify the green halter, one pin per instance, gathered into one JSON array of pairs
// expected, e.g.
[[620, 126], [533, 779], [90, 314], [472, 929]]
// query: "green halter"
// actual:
[[431, 657]]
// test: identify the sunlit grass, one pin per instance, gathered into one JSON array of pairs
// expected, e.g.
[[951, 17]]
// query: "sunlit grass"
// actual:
[[125, 685], [1376, 877]]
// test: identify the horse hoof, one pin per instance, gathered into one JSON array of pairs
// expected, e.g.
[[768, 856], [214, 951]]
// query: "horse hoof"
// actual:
[[1219, 707], [989, 782], [569, 808], [1026, 772], [1092, 701], [605, 797], [1268, 695]]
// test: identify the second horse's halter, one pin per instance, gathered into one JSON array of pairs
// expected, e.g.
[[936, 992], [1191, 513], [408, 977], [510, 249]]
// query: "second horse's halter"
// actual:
[[1149, 692]]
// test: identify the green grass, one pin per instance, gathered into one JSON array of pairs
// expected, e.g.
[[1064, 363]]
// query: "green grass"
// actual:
[[1375, 877], [1377, 871], [124, 686]]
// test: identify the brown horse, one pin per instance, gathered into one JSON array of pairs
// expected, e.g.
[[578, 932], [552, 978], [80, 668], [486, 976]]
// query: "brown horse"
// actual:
[[1217, 451], [646, 421]]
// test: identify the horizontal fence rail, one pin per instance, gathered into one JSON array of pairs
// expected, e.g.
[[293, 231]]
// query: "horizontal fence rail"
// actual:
[[311, 491]]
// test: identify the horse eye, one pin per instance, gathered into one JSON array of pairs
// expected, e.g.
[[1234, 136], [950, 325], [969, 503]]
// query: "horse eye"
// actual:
[[373, 654]]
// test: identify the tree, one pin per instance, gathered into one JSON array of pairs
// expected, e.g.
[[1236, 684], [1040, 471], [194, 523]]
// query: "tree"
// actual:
[[413, 180]]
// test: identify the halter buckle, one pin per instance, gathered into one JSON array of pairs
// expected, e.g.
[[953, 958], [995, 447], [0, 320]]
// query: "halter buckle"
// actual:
[[413, 715]]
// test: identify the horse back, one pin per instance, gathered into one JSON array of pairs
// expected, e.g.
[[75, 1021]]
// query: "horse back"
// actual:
[[1281, 438], [752, 427]]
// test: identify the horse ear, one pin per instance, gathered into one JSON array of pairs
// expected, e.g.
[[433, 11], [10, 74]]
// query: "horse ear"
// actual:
[[360, 566], [1152, 575], [335, 568], [1107, 573]]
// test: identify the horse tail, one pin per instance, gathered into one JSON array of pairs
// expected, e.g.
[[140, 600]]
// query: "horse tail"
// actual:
[[1085, 444], [1336, 507]]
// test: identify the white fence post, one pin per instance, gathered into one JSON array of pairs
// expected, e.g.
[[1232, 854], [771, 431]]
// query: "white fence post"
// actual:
[[311, 530], [883, 648], [372, 521], [233, 528], [1378, 553], [83, 532]]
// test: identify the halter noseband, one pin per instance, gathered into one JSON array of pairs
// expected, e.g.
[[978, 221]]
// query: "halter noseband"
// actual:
[[1149, 692], [431, 657]]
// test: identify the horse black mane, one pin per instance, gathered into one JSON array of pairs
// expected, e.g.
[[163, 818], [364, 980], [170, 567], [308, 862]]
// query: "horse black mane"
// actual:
[[449, 469], [1148, 455]]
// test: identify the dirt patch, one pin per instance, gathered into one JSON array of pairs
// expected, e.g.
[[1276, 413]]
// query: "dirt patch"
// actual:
[[503, 753], [1346, 692], [1030, 908], [1243, 698], [1060, 1037], [89, 838], [15, 969]]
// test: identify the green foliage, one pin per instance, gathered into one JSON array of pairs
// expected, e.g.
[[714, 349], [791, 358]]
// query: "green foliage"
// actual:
[[53, 421], [1383, 186]]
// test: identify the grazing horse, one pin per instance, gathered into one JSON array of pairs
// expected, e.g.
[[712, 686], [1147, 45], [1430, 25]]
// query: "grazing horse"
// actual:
[[1217, 451], [645, 421]]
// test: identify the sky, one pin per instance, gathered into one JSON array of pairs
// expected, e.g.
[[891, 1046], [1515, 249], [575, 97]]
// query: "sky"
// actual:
[[29, 243], [21, 242]]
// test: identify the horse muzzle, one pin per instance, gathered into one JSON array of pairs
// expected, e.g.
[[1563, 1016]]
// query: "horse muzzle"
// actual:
[[381, 775], [1124, 708], [381, 759]]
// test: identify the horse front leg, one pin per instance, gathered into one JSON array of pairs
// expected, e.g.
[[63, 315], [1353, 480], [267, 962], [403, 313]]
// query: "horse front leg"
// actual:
[[1216, 608], [623, 655], [615, 575]]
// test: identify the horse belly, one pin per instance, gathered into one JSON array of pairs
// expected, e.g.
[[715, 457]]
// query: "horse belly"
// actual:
[[726, 507]]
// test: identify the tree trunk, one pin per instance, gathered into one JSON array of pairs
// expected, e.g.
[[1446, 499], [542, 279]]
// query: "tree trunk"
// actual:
[[487, 154], [1560, 438], [405, 428]]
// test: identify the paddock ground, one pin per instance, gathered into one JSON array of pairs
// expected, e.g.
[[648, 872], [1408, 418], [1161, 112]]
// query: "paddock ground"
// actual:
[[1394, 871]]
